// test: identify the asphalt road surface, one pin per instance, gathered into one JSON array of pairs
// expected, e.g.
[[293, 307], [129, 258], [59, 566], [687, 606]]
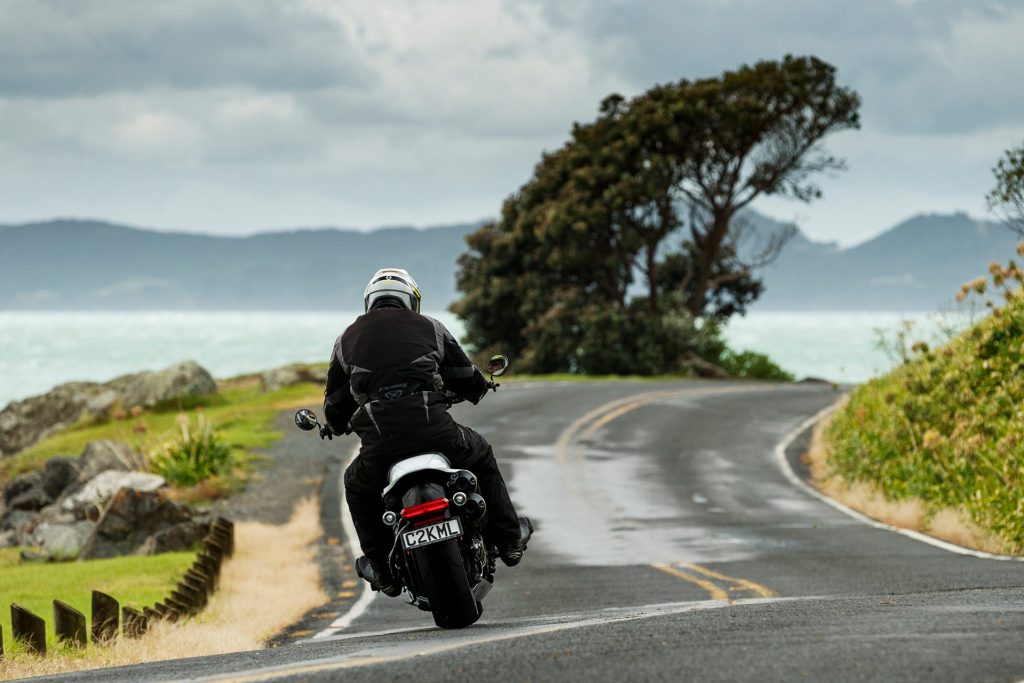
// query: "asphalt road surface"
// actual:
[[672, 545]]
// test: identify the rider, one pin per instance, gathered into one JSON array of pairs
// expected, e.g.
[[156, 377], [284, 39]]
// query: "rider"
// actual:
[[387, 380]]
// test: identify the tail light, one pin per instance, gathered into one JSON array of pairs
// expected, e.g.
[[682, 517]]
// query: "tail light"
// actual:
[[431, 507]]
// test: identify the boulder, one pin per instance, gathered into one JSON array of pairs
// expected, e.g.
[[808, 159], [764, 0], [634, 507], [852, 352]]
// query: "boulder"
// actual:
[[18, 521], [59, 474], [26, 492], [132, 519], [103, 455], [58, 542], [20, 484], [106, 484], [289, 375], [23, 423], [148, 389], [176, 538]]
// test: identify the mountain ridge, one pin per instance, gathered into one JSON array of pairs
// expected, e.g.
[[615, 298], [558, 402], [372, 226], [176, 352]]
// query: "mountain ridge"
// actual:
[[83, 264]]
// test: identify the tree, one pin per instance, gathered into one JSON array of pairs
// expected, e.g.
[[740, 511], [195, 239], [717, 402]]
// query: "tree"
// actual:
[[751, 132], [1008, 195], [650, 190]]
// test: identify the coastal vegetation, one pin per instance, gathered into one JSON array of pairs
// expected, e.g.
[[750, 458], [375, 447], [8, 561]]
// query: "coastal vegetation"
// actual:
[[625, 250], [946, 428]]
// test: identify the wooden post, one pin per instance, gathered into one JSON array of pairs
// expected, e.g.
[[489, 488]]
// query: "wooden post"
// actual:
[[136, 623], [28, 628], [106, 614], [69, 625]]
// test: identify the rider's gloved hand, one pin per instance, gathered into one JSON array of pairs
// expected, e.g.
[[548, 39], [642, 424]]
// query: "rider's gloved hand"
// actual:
[[326, 433]]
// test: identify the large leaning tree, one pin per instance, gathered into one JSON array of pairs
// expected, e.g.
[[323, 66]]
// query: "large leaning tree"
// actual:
[[1008, 195], [632, 229]]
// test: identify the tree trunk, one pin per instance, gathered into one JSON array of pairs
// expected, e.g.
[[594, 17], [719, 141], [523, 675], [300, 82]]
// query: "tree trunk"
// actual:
[[652, 276], [710, 250]]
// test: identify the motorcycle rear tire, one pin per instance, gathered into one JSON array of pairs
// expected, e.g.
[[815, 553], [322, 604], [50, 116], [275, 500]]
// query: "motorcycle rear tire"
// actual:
[[443, 579]]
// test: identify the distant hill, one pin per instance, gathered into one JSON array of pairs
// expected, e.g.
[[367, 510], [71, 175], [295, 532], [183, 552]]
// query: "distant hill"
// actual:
[[88, 265], [916, 266], [70, 265]]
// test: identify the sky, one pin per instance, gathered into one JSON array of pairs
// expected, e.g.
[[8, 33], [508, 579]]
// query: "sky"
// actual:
[[240, 116]]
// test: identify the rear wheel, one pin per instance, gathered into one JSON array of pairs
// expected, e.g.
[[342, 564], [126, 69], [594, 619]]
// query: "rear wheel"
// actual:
[[443, 578]]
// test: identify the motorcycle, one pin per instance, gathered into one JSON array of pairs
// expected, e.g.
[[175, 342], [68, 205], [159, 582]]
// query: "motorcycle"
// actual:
[[438, 517]]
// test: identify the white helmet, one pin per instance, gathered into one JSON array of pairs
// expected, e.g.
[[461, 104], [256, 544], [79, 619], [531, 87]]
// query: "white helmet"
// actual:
[[394, 283]]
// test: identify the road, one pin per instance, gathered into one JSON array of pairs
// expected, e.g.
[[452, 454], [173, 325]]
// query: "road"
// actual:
[[672, 545]]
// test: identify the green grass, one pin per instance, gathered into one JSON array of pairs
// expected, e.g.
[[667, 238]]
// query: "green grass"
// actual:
[[947, 428], [135, 581], [241, 413]]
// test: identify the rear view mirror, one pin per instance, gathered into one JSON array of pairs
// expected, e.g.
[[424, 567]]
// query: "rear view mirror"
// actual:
[[498, 365], [305, 420]]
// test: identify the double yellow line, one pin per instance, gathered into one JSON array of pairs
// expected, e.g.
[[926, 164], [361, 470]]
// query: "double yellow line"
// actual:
[[569, 447], [718, 586]]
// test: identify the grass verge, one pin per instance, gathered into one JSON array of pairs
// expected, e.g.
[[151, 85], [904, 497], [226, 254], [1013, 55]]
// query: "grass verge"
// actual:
[[134, 581], [272, 580], [946, 429], [948, 523]]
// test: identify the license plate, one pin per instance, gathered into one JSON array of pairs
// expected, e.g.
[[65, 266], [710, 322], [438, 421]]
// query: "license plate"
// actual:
[[435, 533]]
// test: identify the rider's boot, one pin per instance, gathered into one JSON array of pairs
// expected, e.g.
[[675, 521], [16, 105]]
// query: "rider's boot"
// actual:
[[513, 554], [387, 584]]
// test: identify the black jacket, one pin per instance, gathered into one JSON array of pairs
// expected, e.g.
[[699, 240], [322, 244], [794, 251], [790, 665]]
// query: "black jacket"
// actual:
[[388, 375]]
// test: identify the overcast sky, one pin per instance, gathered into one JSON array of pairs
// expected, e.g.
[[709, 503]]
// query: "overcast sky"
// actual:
[[236, 116]]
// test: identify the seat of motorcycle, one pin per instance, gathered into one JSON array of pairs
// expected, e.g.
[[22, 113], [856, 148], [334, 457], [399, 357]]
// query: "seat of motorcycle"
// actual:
[[417, 463]]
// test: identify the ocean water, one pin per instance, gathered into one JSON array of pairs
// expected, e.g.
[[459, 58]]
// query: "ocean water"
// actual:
[[41, 350]]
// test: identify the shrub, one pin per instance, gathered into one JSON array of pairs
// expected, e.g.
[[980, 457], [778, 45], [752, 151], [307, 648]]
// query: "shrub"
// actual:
[[196, 455], [947, 427], [752, 365]]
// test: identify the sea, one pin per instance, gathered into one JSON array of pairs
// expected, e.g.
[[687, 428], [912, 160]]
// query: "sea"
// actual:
[[39, 350]]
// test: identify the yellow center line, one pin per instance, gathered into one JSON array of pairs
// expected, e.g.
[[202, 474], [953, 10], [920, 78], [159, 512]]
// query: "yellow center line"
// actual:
[[568, 435], [763, 591], [714, 591]]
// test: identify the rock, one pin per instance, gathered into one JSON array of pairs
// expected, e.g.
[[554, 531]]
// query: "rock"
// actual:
[[55, 514], [20, 484], [23, 423], [104, 485], [101, 402], [289, 375], [18, 521], [174, 539], [148, 389], [9, 539], [59, 542], [26, 492], [59, 474], [132, 518], [100, 456]]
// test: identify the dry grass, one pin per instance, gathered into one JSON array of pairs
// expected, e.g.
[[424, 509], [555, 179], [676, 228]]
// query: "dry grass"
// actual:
[[270, 583], [949, 524]]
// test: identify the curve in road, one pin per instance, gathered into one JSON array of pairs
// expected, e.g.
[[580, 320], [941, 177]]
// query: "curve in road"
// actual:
[[671, 545]]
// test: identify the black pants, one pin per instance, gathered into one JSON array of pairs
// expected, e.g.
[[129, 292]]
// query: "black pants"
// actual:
[[366, 477]]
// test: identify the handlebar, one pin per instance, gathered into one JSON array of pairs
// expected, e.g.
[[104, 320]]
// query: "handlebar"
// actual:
[[453, 398]]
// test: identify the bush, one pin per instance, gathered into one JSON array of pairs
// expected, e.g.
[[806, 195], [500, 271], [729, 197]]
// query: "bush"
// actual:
[[195, 456], [751, 365], [947, 427]]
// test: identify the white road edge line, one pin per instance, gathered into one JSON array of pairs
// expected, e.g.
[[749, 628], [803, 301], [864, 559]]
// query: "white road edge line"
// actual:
[[400, 651], [352, 542], [796, 480]]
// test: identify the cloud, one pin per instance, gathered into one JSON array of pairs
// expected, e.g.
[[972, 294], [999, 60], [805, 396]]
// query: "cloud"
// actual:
[[248, 114]]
